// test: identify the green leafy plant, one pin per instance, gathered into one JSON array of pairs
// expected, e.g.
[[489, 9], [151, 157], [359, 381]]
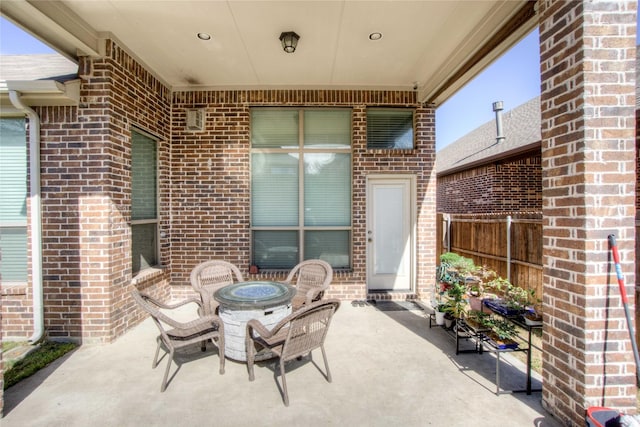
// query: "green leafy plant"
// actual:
[[46, 353], [456, 303], [478, 319], [462, 265], [499, 286], [518, 298], [536, 306], [503, 329]]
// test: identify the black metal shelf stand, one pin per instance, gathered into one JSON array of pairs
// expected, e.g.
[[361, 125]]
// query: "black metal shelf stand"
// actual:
[[491, 347], [463, 331]]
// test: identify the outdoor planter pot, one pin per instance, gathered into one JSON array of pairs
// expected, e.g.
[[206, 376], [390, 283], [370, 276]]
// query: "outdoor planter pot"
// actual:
[[448, 320], [440, 314], [501, 344], [475, 302], [502, 307], [531, 318]]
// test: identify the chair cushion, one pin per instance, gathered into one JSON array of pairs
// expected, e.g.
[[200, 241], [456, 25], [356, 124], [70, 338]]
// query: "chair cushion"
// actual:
[[191, 333]]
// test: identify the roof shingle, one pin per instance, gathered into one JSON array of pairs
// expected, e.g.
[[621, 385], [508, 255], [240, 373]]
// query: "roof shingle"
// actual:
[[521, 128], [37, 67]]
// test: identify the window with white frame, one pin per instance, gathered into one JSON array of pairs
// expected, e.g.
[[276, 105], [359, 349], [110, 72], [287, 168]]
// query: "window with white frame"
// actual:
[[300, 186], [144, 201], [390, 128], [13, 203]]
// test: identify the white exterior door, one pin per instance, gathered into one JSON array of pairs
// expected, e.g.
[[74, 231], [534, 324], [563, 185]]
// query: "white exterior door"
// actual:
[[389, 234]]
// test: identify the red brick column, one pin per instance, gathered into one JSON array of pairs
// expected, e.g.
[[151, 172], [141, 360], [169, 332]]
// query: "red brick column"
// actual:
[[426, 199], [587, 61]]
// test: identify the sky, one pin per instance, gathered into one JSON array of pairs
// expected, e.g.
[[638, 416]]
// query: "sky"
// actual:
[[14, 41], [513, 79]]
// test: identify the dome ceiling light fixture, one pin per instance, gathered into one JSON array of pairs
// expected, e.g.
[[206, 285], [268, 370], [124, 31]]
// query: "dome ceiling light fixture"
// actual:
[[204, 36], [375, 36], [289, 41]]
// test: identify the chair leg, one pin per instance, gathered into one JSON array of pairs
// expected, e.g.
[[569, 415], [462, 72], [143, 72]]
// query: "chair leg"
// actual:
[[250, 361], [251, 357], [166, 372], [155, 359], [326, 364], [220, 346], [284, 383]]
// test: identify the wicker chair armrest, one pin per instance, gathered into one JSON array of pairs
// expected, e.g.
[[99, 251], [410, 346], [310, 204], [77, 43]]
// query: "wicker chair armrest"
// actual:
[[202, 321], [177, 324], [313, 292], [255, 325], [259, 328], [176, 305], [205, 296], [289, 277]]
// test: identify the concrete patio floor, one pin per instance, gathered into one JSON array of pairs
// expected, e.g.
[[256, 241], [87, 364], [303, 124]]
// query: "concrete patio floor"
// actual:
[[388, 368]]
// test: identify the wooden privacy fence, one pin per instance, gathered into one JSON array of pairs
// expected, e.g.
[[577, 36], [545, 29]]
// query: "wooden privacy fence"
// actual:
[[510, 244]]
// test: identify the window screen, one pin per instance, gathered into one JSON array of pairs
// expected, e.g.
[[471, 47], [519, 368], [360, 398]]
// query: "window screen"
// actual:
[[144, 202], [300, 186], [390, 128], [13, 203]]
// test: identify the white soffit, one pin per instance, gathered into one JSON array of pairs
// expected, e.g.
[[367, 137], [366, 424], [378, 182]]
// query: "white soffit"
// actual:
[[424, 42]]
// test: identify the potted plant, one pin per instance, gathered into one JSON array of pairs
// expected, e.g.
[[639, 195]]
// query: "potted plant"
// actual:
[[476, 286], [519, 298], [498, 286], [456, 303], [440, 310], [448, 319], [446, 274], [475, 294], [510, 300], [533, 316], [477, 320], [455, 268], [502, 333], [462, 266]]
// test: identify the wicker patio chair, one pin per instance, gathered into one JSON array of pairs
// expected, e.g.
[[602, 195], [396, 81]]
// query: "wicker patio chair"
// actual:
[[293, 337], [209, 276], [311, 278], [181, 334]]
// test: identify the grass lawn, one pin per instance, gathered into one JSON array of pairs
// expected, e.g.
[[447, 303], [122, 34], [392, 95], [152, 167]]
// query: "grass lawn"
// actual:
[[45, 353], [536, 350]]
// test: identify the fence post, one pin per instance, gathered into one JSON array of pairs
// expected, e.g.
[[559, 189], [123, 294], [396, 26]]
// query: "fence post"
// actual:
[[509, 248], [448, 217]]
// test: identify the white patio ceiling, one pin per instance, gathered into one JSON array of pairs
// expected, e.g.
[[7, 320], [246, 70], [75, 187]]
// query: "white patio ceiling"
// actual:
[[434, 45]]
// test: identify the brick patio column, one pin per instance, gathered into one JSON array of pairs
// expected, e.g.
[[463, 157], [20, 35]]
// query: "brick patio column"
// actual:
[[587, 62]]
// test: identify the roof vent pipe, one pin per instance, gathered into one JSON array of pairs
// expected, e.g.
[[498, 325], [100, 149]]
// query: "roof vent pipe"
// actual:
[[498, 107]]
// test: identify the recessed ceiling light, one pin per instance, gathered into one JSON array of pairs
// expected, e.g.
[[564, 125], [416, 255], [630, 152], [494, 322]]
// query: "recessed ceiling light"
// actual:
[[204, 36], [375, 36]]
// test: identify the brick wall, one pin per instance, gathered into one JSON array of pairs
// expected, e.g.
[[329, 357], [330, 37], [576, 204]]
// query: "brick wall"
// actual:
[[204, 191], [509, 185], [117, 94], [86, 187], [588, 159], [211, 185], [17, 312]]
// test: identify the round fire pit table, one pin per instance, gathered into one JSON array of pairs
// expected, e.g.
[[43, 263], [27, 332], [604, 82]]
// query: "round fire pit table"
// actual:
[[268, 302]]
